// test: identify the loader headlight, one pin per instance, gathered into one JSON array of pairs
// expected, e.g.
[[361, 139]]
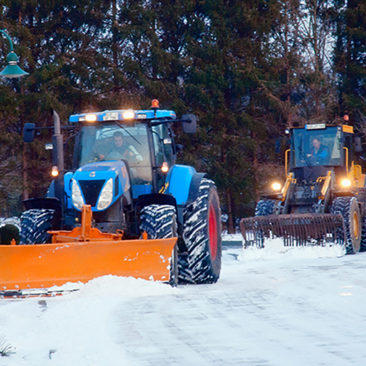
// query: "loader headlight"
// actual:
[[346, 183], [106, 195], [77, 197], [276, 186]]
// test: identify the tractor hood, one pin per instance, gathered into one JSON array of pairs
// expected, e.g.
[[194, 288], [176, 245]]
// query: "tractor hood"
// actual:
[[99, 184]]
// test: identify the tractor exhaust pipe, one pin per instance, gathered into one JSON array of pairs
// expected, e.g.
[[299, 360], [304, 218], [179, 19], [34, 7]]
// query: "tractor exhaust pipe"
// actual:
[[58, 159]]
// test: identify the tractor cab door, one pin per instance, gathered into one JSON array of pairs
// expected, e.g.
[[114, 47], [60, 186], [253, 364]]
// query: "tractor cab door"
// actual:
[[164, 151]]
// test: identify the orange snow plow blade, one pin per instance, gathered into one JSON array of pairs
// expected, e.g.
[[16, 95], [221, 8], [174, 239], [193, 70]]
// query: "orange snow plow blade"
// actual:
[[81, 255]]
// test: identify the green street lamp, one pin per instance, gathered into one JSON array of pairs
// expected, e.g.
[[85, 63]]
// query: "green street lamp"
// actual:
[[12, 70]]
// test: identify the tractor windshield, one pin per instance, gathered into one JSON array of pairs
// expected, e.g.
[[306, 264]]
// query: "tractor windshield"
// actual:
[[111, 141], [317, 147]]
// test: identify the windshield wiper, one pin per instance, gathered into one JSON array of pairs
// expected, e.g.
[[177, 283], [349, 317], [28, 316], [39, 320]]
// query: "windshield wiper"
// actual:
[[125, 129]]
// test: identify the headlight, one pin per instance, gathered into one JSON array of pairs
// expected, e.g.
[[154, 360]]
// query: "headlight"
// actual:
[[106, 195], [276, 186], [346, 183], [77, 197], [128, 114]]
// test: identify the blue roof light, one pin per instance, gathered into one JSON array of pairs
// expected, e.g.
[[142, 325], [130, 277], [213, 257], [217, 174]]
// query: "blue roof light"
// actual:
[[117, 115]]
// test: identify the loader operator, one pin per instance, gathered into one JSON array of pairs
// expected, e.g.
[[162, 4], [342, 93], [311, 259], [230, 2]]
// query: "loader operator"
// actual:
[[318, 152], [120, 150]]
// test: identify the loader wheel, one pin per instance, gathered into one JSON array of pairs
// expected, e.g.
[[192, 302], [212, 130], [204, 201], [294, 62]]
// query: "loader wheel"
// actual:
[[348, 207], [202, 236], [159, 221], [264, 207], [363, 237], [34, 225]]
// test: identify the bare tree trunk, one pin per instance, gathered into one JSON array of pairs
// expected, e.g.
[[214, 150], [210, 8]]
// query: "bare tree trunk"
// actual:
[[25, 173], [230, 221]]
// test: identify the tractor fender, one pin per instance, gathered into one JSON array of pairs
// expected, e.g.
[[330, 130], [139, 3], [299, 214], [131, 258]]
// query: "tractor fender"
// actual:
[[182, 183], [67, 190]]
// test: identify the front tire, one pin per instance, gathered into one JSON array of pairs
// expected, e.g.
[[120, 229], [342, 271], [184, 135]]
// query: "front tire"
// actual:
[[201, 264], [34, 225], [159, 221], [349, 208], [264, 207]]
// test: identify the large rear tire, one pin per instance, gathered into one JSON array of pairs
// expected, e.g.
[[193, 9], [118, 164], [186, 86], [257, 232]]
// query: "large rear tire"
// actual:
[[34, 225], [159, 221], [349, 208], [201, 264]]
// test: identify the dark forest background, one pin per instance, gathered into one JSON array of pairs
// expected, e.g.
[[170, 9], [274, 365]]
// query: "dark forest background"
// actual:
[[247, 68]]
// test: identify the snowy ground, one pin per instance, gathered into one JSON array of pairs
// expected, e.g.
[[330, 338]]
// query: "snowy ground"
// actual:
[[303, 306]]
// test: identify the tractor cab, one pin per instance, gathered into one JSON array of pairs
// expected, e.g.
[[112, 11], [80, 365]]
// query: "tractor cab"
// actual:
[[143, 145]]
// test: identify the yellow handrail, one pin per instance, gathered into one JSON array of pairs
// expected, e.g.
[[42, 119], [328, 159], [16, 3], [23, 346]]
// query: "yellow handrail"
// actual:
[[326, 184], [286, 186], [345, 148], [286, 160]]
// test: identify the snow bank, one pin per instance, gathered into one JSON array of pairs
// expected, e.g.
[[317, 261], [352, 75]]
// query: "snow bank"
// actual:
[[274, 249]]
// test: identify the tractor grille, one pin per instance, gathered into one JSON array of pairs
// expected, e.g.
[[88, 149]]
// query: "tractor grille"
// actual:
[[91, 190]]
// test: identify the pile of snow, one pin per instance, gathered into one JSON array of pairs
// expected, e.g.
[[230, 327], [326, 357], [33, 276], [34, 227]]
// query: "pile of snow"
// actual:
[[231, 237], [275, 249]]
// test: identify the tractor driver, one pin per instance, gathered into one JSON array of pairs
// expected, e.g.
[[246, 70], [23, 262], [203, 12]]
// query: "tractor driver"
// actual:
[[318, 152], [120, 150]]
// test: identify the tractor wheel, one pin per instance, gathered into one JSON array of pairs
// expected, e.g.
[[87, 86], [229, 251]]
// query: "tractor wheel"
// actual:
[[202, 236], [348, 207], [264, 207], [34, 225], [159, 221]]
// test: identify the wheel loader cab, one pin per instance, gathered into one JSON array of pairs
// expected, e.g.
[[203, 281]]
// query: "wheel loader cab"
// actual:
[[317, 149]]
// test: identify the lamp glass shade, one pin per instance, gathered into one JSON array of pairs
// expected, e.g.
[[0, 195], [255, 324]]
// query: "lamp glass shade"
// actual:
[[13, 71]]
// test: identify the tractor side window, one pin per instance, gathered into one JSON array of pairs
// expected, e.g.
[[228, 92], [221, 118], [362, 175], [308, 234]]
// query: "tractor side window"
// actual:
[[157, 134], [168, 145], [162, 145]]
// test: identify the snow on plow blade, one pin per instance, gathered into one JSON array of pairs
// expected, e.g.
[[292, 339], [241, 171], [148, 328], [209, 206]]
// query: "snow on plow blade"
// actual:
[[295, 229], [47, 265]]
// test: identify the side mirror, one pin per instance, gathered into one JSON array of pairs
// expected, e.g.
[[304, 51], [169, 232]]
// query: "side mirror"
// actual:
[[28, 132], [358, 144], [189, 122]]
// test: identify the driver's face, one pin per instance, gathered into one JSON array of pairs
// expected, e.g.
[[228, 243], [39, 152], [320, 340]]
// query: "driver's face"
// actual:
[[118, 141], [316, 144]]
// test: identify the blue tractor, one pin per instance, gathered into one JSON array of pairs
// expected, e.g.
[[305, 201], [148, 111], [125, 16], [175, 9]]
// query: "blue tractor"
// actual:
[[124, 167]]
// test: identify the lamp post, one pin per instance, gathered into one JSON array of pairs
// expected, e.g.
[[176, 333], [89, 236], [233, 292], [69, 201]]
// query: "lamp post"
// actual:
[[12, 70]]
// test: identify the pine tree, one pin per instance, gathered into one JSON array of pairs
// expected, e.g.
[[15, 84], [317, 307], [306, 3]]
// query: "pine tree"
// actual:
[[350, 59]]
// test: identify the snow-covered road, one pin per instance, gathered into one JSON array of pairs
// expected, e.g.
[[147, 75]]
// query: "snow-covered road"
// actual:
[[302, 307]]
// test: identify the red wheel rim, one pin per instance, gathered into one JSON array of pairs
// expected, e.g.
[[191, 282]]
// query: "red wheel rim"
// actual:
[[212, 231]]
